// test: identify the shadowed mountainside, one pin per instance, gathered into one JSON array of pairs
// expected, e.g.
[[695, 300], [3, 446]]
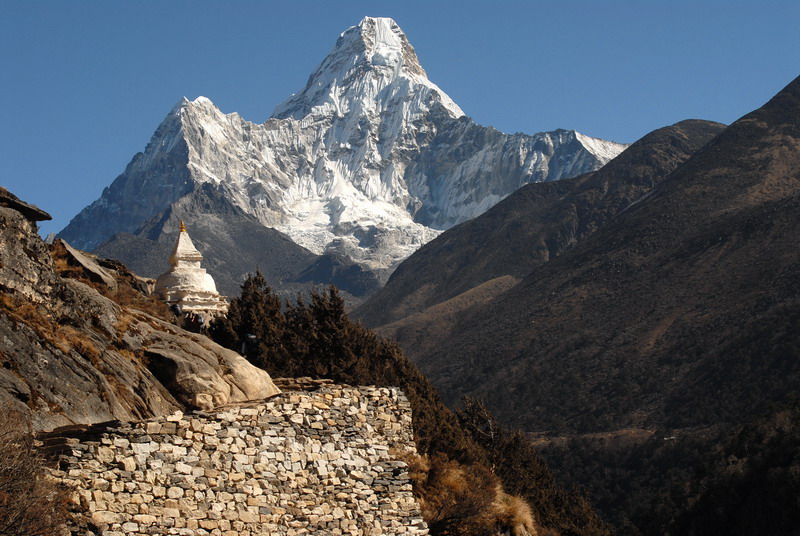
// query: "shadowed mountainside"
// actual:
[[536, 224], [656, 359], [676, 313]]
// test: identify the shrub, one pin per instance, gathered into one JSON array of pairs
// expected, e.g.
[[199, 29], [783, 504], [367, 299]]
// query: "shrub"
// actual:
[[465, 499], [31, 503], [454, 498]]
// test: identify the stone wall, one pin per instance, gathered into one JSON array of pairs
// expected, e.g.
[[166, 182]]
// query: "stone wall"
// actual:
[[319, 462]]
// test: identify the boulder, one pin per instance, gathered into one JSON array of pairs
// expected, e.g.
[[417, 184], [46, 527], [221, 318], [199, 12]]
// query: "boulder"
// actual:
[[30, 212], [89, 263]]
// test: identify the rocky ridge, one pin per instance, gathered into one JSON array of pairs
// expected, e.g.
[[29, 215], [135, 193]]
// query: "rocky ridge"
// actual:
[[529, 228]]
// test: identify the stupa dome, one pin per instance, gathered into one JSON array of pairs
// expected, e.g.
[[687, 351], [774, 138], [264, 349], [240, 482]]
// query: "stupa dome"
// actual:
[[187, 285]]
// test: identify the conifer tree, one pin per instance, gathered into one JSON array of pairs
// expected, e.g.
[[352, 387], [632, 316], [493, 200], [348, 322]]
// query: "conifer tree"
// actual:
[[331, 330], [297, 339], [254, 324]]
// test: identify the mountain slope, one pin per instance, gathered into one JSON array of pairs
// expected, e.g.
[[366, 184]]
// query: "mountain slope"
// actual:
[[532, 226], [233, 244], [678, 313], [370, 160], [641, 356]]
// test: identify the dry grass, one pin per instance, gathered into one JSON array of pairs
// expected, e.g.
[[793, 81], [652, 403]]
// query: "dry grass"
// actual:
[[123, 323], [125, 295], [31, 503], [72, 339], [24, 311], [65, 269], [515, 513], [63, 337]]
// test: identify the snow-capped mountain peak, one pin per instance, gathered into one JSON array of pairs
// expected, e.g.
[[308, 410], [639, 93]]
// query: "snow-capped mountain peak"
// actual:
[[385, 45], [370, 159], [371, 63]]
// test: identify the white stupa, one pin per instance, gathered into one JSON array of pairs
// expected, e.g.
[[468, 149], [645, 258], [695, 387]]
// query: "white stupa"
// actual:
[[187, 284]]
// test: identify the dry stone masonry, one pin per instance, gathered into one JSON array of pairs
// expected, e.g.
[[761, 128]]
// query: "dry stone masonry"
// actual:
[[320, 462]]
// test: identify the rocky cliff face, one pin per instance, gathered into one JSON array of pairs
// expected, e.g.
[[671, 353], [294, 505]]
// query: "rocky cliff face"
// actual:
[[70, 354], [370, 160], [26, 268]]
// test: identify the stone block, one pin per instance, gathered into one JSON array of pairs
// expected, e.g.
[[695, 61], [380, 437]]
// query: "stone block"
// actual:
[[127, 464], [175, 492], [183, 468], [175, 417], [104, 454], [209, 524], [169, 428], [153, 427], [145, 519], [101, 517]]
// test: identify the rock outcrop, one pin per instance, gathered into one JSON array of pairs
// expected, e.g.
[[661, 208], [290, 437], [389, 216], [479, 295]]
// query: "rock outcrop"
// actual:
[[31, 212], [25, 266], [70, 354]]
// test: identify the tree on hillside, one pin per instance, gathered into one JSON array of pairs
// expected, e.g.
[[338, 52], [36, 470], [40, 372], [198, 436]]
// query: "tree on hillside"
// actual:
[[316, 338], [329, 350], [255, 324]]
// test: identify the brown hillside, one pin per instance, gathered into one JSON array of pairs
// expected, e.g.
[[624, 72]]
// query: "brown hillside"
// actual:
[[683, 311]]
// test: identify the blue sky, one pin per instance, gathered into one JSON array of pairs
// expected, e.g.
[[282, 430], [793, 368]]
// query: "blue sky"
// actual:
[[86, 83]]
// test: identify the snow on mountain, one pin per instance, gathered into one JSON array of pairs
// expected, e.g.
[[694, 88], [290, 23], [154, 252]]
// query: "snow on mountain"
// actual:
[[370, 159], [372, 68]]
